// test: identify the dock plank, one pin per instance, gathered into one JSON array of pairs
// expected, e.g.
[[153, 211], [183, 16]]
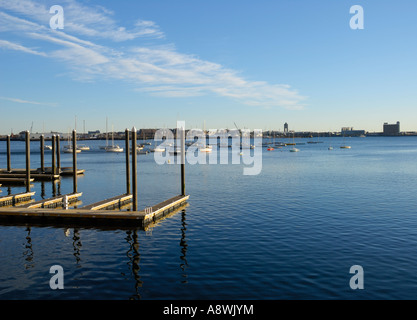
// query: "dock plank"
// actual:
[[46, 203], [35, 176], [15, 180], [111, 202], [16, 198]]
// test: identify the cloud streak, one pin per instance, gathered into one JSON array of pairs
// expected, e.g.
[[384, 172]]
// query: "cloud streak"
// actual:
[[28, 102], [90, 46], [14, 46]]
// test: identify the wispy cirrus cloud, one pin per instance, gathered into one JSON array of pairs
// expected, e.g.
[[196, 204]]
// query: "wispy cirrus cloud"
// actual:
[[29, 102], [14, 46], [90, 46]]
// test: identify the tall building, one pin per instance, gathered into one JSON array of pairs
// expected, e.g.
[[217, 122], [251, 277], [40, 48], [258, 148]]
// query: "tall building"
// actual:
[[285, 127], [391, 129]]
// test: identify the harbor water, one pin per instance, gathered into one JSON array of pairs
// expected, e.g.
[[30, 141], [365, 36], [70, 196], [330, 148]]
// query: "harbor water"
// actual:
[[291, 232]]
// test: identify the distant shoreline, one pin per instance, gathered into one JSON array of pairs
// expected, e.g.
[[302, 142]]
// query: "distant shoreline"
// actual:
[[266, 135]]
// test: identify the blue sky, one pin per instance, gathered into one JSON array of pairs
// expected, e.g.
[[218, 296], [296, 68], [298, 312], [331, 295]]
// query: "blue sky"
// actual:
[[257, 63]]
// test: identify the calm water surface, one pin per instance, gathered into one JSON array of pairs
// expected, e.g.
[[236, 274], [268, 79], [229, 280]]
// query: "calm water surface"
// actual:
[[291, 232]]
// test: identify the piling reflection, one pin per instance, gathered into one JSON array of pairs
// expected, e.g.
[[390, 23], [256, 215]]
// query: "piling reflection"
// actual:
[[76, 245], [28, 253], [43, 194], [183, 245], [134, 260]]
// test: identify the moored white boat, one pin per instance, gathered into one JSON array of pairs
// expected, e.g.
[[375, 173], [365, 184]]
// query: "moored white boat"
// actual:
[[206, 149], [68, 149], [83, 147], [114, 148]]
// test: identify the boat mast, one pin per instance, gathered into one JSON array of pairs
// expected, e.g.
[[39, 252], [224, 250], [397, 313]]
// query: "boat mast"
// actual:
[[107, 134], [112, 137]]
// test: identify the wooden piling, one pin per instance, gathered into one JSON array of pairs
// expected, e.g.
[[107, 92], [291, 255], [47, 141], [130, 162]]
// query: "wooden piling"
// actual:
[[134, 170], [127, 147], [183, 161], [74, 160], [27, 162], [53, 155], [42, 153], [9, 162], [58, 154]]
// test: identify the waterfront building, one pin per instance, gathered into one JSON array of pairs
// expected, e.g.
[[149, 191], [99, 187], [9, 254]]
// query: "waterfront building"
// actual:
[[349, 132], [391, 129]]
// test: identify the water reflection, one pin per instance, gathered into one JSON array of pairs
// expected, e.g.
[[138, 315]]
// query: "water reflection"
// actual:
[[76, 244], [183, 245], [28, 253], [134, 260], [72, 231], [43, 194]]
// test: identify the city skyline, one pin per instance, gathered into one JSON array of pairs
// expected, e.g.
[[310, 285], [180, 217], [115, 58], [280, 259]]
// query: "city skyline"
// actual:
[[213, 64]]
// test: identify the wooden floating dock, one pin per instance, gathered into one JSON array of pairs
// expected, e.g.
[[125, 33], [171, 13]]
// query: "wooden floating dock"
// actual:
[[152, 214], [52, 202], [34, 176], [14, 181], [68, 171], [14, 199], [115, 202], [141, 218]]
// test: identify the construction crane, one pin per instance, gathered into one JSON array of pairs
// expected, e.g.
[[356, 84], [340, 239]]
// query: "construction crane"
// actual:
[[240, 132]]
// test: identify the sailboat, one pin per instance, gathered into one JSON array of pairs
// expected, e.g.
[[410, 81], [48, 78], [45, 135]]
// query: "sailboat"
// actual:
[[107, 137], [205, 147], [330, 145], [83, 147], [293, 149], [68, 147], [113, 147], [46, 147]]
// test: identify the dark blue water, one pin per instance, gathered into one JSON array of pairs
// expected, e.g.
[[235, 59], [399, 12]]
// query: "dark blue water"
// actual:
[[291, 232]]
